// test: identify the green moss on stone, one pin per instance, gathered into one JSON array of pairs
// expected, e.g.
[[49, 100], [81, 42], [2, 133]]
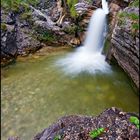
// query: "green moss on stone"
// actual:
[[131, 16], [135, 3], [122, 14], [106, 46], [25, 16], [135, 26], [46, 36], [15, 5], [3, 27]]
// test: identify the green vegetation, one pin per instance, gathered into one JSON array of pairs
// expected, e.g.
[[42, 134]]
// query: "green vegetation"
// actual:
[[106, 46], [121, 21], [16, 5], [46, 36], [26, 16], [131, 16], [70, 29], [73, 29], [71, 4], [90, 1], [58, 137], [135, 121], [135, 26], [97, 132], [3, 27], [135, 3], [122, 14]]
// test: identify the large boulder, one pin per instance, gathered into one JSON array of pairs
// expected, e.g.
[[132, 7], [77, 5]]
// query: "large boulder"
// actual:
[[115, 121], [16, 36], [8, 43]]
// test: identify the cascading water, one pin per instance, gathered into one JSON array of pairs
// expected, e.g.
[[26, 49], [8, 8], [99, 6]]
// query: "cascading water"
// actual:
[[88, 58]]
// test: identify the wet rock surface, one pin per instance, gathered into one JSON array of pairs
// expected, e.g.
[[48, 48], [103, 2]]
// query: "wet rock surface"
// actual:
[[74, 127]]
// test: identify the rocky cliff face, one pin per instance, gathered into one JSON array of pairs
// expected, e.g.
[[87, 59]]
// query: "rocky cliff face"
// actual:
[[125, 42], [48, 22]]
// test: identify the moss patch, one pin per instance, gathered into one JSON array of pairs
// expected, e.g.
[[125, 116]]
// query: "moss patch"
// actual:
[[71, 5], [46, 36], [25, 16], [17, 5], [3, 27], [135, 3], [131, 16], [106, 46]]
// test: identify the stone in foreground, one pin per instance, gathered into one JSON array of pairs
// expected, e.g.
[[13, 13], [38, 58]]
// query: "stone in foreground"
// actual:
[[116, 123]]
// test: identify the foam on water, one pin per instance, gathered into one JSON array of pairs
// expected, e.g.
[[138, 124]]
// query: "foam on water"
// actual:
[[88, 58]]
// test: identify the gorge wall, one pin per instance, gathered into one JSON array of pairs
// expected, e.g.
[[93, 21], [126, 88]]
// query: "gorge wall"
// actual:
[[125, 42]]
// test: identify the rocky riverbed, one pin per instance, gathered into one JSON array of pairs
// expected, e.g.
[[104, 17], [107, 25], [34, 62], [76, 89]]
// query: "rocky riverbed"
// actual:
[[116, 123]]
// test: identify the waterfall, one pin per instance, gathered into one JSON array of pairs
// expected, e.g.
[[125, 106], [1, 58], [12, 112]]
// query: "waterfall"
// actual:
[[105, 6], [89, 58], [93, 41]]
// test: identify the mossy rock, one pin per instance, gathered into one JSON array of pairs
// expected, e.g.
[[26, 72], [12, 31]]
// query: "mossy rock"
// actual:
[[25, 16], [46, 36], [70, 29], [3, 27], [17, 5], [73, 29], [135, 3]]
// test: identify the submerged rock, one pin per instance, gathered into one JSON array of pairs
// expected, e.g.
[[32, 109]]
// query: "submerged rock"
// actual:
[[78, 127]]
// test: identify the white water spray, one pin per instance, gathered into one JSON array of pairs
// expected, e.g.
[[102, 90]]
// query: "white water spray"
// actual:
[[88, 58]]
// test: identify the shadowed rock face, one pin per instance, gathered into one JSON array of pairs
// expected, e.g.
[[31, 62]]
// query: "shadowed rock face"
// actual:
[[125, 46], [8, 44], [78, 127]]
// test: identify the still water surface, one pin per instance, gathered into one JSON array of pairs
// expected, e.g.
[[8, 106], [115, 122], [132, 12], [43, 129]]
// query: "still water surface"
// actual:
[[35, 93]]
